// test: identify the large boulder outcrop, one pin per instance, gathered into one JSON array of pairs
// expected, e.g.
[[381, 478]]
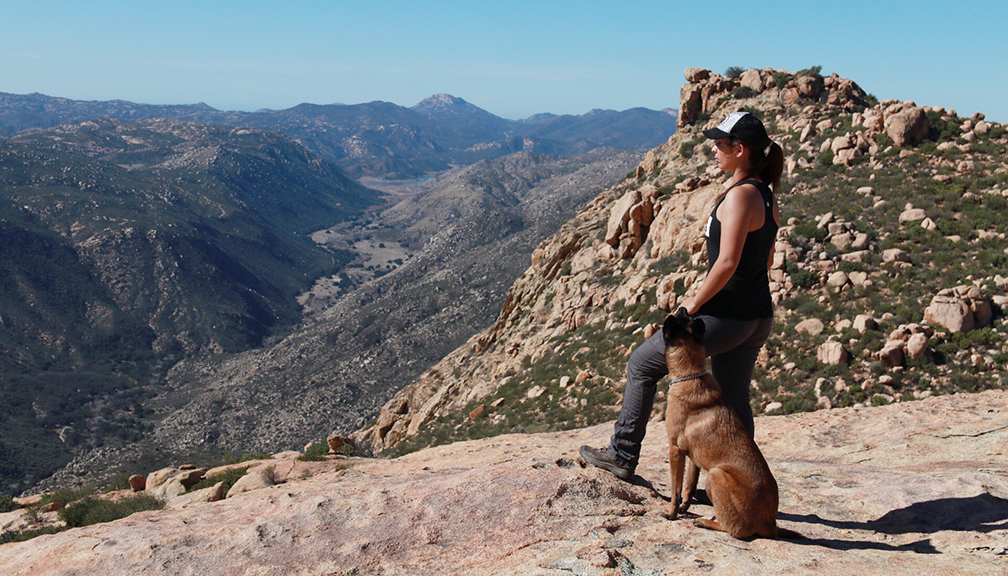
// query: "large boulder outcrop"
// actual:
[[959, 309], [907, 127]]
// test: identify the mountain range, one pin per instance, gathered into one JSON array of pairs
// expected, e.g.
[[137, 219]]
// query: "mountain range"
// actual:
[[379, 139]]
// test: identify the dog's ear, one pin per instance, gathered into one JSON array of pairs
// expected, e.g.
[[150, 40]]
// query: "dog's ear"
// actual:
[[670, 329], [697, 328]]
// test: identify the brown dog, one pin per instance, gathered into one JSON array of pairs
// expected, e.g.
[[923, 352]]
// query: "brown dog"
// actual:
[[701, 426]]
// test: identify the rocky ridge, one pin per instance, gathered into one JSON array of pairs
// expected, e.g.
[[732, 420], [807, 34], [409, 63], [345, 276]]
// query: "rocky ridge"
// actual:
[[849, 247], [918, 488]]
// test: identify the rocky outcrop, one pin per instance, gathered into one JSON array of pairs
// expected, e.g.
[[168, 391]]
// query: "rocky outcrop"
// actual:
[[640, 244], [919, 488], [959, 309]]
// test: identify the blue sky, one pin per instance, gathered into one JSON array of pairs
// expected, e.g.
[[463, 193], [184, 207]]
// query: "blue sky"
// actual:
[[512, 58]]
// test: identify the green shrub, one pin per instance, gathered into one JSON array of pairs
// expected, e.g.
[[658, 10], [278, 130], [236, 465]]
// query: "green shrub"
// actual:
[[733, 71], [94, 511], [315, 452], [121, 482], [231, 458], [744, 92], [228, 478], [781, 79], [22, 535], [942, 130], [6, 503], [65, 496], [825, 160], [815, 71]]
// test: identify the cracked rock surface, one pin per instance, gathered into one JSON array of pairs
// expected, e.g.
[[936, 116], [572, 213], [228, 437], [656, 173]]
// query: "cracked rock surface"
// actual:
[[916, 488]]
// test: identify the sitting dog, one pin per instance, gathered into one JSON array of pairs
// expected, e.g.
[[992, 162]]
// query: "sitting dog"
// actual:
[[701, 426]]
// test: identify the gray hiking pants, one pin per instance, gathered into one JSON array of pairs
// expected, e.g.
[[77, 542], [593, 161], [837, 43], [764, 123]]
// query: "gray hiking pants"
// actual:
[[732, 346]]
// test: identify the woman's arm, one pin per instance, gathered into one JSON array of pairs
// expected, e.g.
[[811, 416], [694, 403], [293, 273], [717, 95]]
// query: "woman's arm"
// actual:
[[735, 216]]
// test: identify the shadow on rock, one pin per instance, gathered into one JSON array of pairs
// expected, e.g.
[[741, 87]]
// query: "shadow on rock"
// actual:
[[981, 513]]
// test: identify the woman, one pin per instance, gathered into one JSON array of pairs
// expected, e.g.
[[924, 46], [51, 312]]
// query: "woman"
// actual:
[[733, 299]]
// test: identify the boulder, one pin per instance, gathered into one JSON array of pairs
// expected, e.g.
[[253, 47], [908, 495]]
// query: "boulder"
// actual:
[[916, 345], [167, 490], [210, 494], [583, 376], [894, 255], [950, 312], [860, 241], [864, 322], [28, 501], [811, 326], [912, 215], [841, 143], [831, 353], [809, 86], [697, 74], [137, 482], [690, 104], [892, 353], [256, 478], [339, 444], [619, 216], [474, 415], [858, 278], [837, 280], [190, 476], [158, 477], [842, 241], [751, 78], [907, 127]]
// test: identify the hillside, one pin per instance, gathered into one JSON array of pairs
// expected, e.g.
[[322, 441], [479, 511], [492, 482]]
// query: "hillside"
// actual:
[[361, 346], [379, 139], [126, 247], [916, 488], [889, 276]]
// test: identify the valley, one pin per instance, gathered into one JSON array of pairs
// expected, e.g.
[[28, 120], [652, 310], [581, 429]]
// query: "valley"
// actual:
[[212, 250]]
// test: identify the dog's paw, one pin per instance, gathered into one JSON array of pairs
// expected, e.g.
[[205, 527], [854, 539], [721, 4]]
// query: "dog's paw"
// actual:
[[672, 512], [684, 507]]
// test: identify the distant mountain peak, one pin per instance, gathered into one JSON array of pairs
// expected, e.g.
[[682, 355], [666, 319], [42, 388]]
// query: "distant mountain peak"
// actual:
[[442, 105], [441, 101]]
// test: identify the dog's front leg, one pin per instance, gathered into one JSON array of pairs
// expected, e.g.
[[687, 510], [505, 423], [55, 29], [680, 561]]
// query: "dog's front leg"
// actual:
[[689, 485], [677, 460]]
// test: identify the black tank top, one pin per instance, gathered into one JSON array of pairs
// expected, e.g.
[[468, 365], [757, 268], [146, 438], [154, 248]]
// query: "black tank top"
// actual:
[[746, 296]]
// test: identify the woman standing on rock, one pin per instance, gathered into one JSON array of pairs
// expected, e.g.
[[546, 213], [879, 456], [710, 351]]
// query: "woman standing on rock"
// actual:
[[734, 298]]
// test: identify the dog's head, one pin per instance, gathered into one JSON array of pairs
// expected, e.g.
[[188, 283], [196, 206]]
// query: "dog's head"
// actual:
[[680, 327]]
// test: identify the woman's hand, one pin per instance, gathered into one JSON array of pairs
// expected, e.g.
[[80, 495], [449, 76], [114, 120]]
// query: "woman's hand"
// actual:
[[690, 305]]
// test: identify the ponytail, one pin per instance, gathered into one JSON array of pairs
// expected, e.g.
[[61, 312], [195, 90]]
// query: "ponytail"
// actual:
[[769, 166]]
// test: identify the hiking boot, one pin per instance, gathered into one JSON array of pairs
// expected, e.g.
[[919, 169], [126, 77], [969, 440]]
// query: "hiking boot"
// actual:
[[602, 459]]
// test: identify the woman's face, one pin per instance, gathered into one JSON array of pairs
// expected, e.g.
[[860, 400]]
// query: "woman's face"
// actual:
[[727, 155]]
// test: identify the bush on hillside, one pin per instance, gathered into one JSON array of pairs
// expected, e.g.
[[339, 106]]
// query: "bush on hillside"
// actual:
[[6, 503], [315, 452], [781, 79], [815, 71], [744, 92], [228, 478], [94, 511], [733, 71]]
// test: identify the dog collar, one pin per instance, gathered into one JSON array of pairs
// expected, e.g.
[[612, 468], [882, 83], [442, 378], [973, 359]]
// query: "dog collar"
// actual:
[[685, 378]]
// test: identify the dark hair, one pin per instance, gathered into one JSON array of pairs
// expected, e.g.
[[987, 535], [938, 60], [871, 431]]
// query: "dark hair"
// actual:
[[770, 166]]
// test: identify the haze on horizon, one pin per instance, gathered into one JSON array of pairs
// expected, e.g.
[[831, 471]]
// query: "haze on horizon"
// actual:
[[512, 59]]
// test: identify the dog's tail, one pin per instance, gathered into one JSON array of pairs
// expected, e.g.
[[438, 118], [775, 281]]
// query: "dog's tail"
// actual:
[[785, 534]]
